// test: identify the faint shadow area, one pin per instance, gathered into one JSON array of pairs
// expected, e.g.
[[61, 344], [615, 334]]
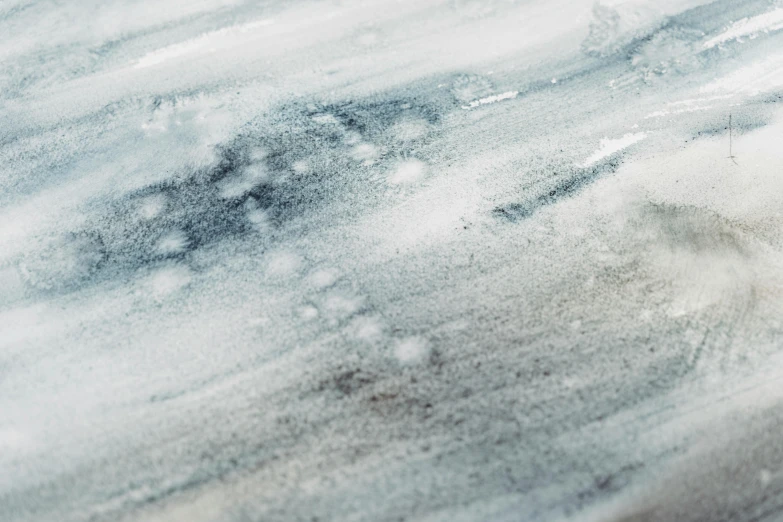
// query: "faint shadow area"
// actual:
[[734, 473]]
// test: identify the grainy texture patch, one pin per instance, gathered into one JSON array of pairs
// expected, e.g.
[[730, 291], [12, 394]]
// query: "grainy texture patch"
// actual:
[[414, 260]]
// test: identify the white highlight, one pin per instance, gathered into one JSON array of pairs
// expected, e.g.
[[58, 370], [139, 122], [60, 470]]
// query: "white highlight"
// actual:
[[687, 105], [658, 114], [411, 350], [168, 280], [762, 76], [283, 263], [308, 312], [608, 147], [771, 21], [341, 304], [300, 166], [240, 184], [407, 172], [324, 278], [694, 101], [208, 42], [364, 152], [258, 218], [367, 329], [151, 206], [491, 99], [173, 242], [409, 130], [13, 441]]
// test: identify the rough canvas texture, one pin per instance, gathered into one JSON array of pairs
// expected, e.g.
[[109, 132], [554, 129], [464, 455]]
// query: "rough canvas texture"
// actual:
[[431, 260]]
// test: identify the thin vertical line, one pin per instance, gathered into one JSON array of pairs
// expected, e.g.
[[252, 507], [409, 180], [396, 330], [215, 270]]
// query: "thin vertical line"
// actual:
[[731, 155]]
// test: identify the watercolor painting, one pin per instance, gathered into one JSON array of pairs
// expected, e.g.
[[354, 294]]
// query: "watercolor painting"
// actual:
[[391, 260]]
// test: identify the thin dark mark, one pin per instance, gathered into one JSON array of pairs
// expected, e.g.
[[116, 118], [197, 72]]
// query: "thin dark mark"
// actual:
[[731, 155], [347, 382], [566, 188], [699, 350]]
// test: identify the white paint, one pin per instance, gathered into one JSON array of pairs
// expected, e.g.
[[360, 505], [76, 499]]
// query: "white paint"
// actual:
[[168, 280], [697, 101], [258, 154], [491, 99], [608, 147], [208, 42], [688, 105], [151, 206], [259, 218], [236, 325], [364, 152], [301, 166], [339, 304], [324, 277], [367, 329], [172, 242], [409, 130], [11, 285], [13, 441], [408, 172], [308, 313], [325, 119], [238, 185], [658, 114], [411, 350], [762, 76], [283, 263], [770, 21]]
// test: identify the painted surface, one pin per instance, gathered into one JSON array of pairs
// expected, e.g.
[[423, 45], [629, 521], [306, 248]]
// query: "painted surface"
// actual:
[[432, 260]]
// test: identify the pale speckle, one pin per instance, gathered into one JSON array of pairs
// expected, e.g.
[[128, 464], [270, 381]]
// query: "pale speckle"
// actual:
[[364, 152], [323, 277], [411, 350], [367, 329], [308, 313], [283, 263], [237, 185], [151, 206], [341, 304], [169, 279], [408, 172], [173, 242], [301, 166]]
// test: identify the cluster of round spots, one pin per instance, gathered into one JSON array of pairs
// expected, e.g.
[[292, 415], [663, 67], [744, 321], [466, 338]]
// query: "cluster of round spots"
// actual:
[[326, 299], [330, 299], [387, 136], [286, 164]]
